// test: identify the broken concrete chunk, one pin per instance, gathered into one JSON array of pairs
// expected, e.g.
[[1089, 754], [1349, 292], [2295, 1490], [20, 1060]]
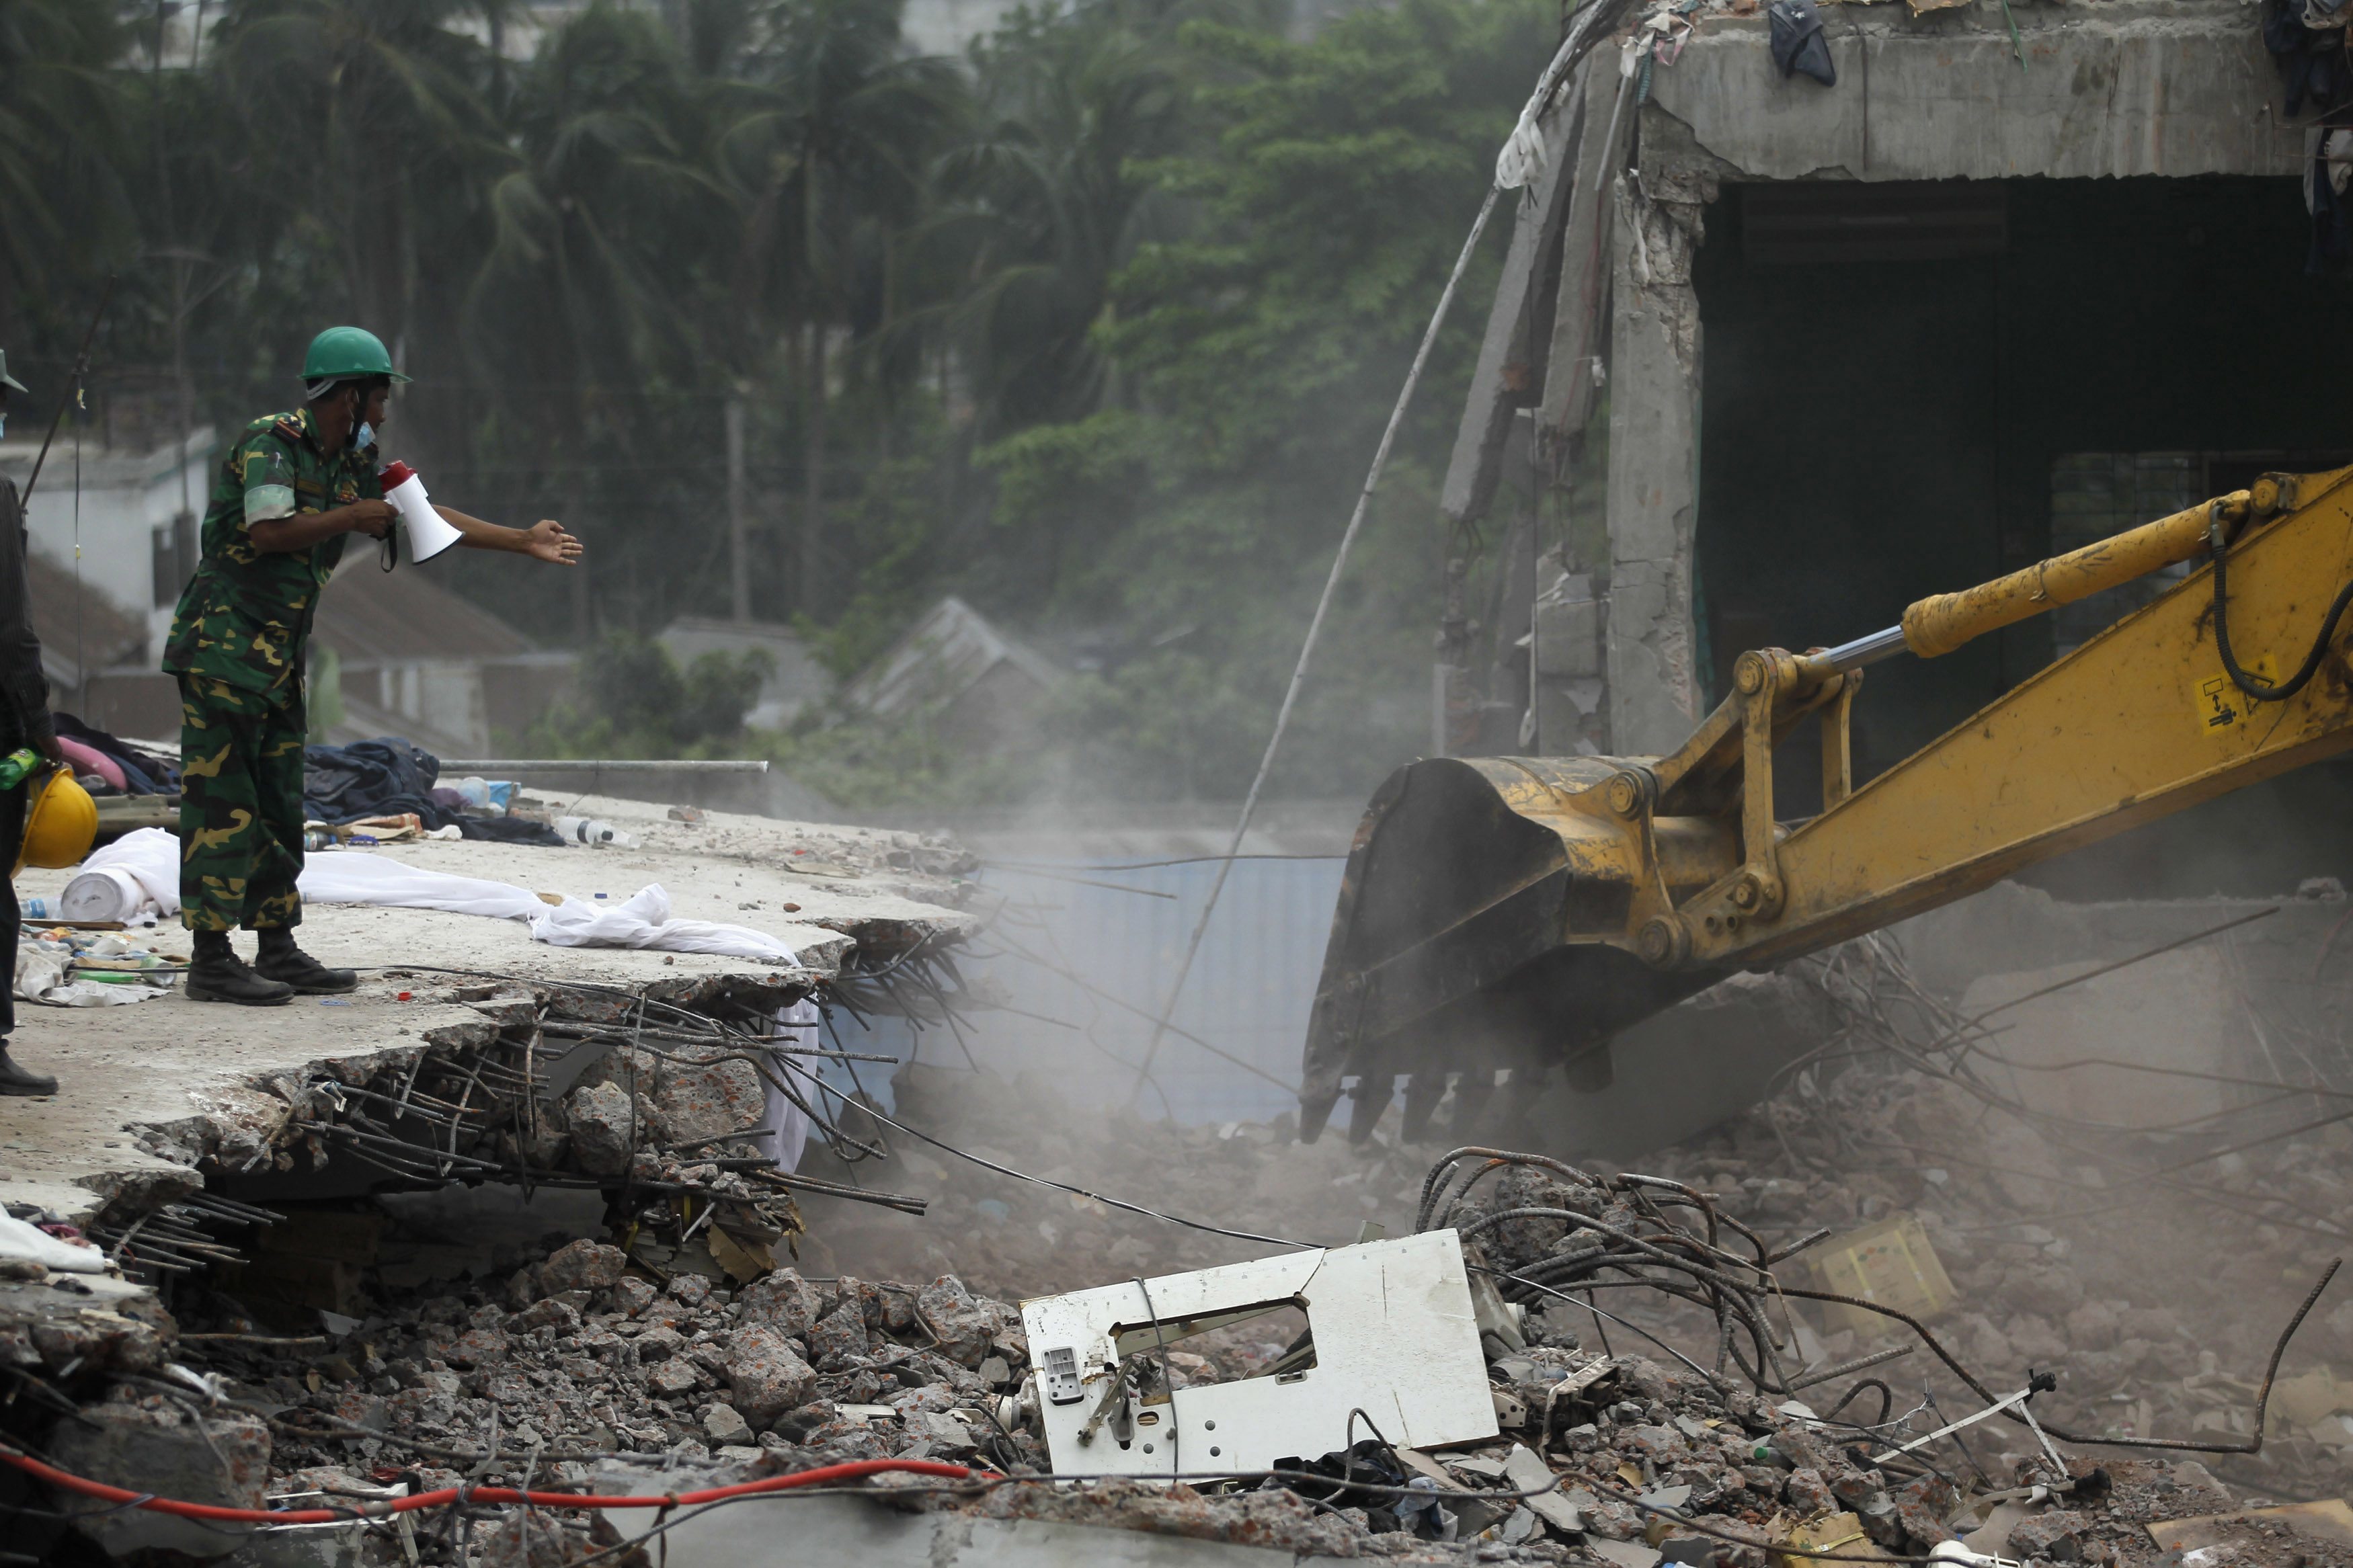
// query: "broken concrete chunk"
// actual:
[[670, 1379], [561, 1316], [725, 1426], [659, 1343], [2057, 1536], [963, 1326], [156, 1448], [766, 1375], [837, 1336], [602, 1128], [701, 1102], [584, 1265], [1922, 1506], [526, 1539], [783, 1301], [1527, 1473], [1806, 1492], [929, 1398], [1607, 1519], [475, 1347], [946, 1435]]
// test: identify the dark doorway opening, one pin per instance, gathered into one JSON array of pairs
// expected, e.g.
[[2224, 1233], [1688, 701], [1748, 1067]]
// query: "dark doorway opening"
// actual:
[[1897, 382]]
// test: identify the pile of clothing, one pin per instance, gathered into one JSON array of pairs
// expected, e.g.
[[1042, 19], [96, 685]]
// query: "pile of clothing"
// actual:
[[107, 765], [387, 778]]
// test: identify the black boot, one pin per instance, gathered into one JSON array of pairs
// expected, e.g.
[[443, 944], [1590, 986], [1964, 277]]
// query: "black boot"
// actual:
[[217, 974], [281, 961], [17, 1079]]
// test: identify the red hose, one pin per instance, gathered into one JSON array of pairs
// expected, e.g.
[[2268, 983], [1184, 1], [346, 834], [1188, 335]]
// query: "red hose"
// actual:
[[854, 1470]]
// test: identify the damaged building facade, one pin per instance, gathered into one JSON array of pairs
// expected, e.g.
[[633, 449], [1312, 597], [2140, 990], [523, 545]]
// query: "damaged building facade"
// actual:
[[1771, 358]]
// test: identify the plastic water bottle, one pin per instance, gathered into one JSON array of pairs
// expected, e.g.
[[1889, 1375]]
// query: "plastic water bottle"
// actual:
[[591, 831], [37, 908], [18, 765], [482, 797]]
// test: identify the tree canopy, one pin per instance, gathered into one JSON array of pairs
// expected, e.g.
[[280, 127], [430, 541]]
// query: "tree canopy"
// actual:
[[1093, 324]]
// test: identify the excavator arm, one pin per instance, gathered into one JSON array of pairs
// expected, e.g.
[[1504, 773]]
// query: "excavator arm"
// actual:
[[1517, 912]]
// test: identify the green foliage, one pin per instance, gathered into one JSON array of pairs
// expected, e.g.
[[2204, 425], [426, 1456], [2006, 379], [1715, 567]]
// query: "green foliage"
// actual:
[[62, 124], [903, 763], [1095, 326], [1267, 341], [635, 701]]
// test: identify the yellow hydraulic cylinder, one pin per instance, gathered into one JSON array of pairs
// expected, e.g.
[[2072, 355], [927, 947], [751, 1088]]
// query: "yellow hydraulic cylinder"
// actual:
[[1943, 621]]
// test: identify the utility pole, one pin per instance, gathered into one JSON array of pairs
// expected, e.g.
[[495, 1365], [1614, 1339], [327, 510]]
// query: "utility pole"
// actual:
[[812, 542], [739, 559]]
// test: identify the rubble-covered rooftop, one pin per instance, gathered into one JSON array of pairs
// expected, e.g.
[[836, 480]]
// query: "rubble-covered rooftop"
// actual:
[[199, 1077], [540, 1241]]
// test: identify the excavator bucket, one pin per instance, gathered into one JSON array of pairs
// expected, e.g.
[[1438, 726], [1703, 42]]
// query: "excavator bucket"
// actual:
[[1450, 963], [1502, 915]]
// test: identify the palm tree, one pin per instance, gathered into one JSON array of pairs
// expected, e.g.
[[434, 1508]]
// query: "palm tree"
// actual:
[[831, 160], [368, 125], [588, 295], [1044, 204], [61, 146]]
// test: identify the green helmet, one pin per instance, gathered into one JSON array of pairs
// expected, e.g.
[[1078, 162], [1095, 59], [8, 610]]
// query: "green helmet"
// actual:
[[344, 353]]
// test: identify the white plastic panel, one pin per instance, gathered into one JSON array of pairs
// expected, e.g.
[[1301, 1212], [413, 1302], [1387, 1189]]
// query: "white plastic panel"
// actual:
[[1395, 1337]]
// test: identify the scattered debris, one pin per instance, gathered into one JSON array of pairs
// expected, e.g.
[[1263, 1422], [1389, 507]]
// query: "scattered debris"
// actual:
[[1700, 1362]]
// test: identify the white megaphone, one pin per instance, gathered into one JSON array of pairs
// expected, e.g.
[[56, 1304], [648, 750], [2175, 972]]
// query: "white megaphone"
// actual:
[[428, 534]]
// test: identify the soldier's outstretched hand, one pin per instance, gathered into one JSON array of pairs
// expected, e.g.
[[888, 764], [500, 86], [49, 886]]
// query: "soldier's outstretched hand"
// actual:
[[549, 543]]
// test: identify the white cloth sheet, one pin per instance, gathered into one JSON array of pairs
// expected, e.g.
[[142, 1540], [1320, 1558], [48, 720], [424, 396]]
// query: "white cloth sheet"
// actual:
[[151, 858], [20, 1238], [788, 1123]]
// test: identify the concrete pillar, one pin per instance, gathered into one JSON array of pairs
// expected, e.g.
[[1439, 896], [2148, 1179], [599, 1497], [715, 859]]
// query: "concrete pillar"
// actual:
[[1654, 679]]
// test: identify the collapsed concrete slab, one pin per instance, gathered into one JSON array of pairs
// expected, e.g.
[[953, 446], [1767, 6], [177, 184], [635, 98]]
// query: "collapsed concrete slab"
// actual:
[[150, 1093]]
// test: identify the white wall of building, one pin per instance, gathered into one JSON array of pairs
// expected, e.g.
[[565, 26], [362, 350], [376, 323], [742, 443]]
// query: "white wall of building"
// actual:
[[123, 503]]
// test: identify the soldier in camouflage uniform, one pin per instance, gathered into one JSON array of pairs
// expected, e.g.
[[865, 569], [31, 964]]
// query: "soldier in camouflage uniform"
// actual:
[[287, 496]]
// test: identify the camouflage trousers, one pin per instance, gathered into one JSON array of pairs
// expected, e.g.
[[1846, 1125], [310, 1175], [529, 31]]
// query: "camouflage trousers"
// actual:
[[240, 805]]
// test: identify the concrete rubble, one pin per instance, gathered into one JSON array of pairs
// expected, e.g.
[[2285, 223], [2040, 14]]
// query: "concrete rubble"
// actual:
[[666, 1312]]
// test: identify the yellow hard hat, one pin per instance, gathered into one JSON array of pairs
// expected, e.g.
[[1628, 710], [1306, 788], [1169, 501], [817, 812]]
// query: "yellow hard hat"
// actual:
[[60, 826]]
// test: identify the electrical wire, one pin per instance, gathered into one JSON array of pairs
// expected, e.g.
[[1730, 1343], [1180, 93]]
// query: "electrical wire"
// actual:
[[1083, 1192]]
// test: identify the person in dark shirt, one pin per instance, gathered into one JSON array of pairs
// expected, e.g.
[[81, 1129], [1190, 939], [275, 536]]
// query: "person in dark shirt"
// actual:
[[24, 722]]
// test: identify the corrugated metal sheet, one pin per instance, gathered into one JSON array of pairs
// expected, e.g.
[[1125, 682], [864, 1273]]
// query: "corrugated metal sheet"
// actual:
[[1098, 961]]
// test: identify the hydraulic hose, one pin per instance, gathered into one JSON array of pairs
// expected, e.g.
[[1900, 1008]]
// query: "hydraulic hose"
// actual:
[[2254, 686]]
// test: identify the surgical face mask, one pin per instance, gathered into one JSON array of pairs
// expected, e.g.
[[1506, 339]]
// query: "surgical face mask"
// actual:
[[365, 436]]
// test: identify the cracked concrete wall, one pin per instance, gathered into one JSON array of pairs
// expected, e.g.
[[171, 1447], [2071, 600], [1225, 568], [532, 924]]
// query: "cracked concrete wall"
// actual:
[[2129, 87], [2171, 87], [1653, 512]]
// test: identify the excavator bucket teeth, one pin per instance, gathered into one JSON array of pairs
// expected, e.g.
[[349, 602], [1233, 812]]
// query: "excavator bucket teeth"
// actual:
[[1449, 951]]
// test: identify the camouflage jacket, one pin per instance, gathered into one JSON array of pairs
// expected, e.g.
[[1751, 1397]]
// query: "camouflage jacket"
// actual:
[[244, 617]]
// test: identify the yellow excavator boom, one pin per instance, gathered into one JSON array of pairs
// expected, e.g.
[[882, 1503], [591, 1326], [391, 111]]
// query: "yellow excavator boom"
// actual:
[[1515, 913]]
